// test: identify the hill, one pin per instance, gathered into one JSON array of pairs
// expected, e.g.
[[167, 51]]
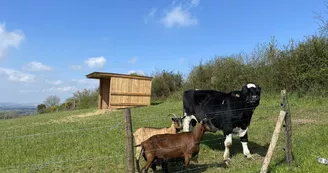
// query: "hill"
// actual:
[[91, 141]]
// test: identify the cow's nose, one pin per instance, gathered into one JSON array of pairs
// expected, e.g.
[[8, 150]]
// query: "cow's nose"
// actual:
[[254, 97]]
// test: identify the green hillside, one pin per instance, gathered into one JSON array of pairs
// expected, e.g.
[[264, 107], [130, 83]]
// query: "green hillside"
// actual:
[[80, 141]]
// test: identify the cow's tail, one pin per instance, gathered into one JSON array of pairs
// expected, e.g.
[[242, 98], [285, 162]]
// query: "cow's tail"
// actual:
[[137, 160]]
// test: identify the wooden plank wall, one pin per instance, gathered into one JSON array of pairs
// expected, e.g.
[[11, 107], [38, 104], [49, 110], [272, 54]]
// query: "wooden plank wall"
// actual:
[[127, 92], [104, 89]]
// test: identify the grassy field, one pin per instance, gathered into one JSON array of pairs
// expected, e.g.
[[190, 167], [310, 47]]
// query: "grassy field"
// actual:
[[80, 141]]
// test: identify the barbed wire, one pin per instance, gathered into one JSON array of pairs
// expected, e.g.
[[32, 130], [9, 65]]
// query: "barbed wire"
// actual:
[[64, 131], [39, 165]]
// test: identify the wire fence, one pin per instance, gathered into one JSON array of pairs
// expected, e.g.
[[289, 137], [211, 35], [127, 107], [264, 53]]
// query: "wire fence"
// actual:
[[100, 145]]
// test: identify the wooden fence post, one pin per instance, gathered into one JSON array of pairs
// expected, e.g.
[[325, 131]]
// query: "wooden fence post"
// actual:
[[129, 141], [288, 129], [273, 142]]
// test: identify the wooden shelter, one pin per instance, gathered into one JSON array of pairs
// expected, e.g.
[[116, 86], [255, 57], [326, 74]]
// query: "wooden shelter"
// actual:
[[120, 91]]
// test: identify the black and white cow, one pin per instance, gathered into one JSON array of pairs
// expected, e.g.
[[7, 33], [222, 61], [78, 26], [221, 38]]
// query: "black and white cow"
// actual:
[[231, 112]]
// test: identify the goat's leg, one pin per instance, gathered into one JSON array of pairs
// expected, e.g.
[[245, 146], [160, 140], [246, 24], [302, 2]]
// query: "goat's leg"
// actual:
[[148, 164], [187, 161], [153, 167], [138, 151], [244, 142], [227, 145], [165, 167]]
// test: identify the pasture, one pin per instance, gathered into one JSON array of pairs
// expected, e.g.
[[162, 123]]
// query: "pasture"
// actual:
[[81, 141]]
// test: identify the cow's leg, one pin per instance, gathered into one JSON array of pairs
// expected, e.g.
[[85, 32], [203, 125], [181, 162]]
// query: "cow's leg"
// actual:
[[227, 145], [244, 143]]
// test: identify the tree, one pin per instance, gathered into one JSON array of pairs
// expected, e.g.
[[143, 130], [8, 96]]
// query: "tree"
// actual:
[[52, 101], [41, 108]]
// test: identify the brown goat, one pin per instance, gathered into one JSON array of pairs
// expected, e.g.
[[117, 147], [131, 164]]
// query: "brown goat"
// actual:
[[143, 133], [164, 147]]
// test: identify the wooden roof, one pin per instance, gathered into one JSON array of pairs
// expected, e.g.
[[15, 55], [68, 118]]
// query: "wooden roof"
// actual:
[[99, 75]]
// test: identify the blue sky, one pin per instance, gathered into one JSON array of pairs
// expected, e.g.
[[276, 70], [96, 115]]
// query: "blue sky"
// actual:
[[48, 47]]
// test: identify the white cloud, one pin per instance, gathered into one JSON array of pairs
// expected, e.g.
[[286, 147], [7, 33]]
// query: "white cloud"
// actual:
[[95, 62], [76, 67], [140, 72], [36, 66], [16, 76], [55, 82], [179, 14], [195, 2], [133, 60], [179, 17], [61, 89], [9, 39], [150, 15]]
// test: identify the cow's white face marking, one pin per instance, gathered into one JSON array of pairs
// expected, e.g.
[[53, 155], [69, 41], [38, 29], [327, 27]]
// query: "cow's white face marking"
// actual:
[[245, 149], [240, 132], [186, 122], [250, 85]]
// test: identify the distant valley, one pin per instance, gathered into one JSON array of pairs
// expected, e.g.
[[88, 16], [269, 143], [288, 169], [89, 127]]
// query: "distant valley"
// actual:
[[14, 110]]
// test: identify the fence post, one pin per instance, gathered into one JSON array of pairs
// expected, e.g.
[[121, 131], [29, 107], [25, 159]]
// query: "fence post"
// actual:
[[288, 129], [129, 141], [273, 142]]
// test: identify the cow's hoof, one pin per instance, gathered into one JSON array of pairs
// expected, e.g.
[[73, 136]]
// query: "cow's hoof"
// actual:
[[227, 162], [249, 156]]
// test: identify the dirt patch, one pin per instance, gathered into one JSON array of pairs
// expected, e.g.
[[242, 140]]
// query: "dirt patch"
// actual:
[[75, 118], [304, 121], [89, 114]]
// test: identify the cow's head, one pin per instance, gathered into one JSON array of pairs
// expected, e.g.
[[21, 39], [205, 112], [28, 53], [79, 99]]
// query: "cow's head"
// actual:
[[251, 93]]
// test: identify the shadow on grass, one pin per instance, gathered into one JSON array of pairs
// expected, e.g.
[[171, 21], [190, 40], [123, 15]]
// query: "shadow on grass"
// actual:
[[156, 103], [216, 142]]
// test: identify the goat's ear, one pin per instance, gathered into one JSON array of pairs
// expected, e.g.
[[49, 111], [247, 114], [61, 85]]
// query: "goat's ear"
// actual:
[[173, 119]]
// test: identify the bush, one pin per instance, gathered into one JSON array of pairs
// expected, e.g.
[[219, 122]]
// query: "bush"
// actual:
[[166, 82], [301, 68], [83, 99], [41, 108]]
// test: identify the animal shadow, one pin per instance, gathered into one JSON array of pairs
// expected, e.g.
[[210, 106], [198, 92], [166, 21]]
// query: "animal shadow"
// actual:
[[178, 164], [216, 142]]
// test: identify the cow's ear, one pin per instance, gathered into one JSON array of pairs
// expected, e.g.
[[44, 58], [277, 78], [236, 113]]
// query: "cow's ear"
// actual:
[[244, 89]]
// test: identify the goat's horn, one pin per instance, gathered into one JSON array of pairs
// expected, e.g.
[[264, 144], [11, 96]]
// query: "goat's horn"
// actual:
[[172, 114]]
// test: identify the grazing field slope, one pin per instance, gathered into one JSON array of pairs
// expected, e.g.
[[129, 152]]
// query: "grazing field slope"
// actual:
[[87, 141]]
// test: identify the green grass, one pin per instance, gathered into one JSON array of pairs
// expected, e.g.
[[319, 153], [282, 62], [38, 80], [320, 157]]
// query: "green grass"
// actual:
[[64, 142]]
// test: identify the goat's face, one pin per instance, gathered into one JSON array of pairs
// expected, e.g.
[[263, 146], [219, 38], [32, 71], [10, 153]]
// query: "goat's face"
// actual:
[[177, 123], [208, 126], [251, 93]]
